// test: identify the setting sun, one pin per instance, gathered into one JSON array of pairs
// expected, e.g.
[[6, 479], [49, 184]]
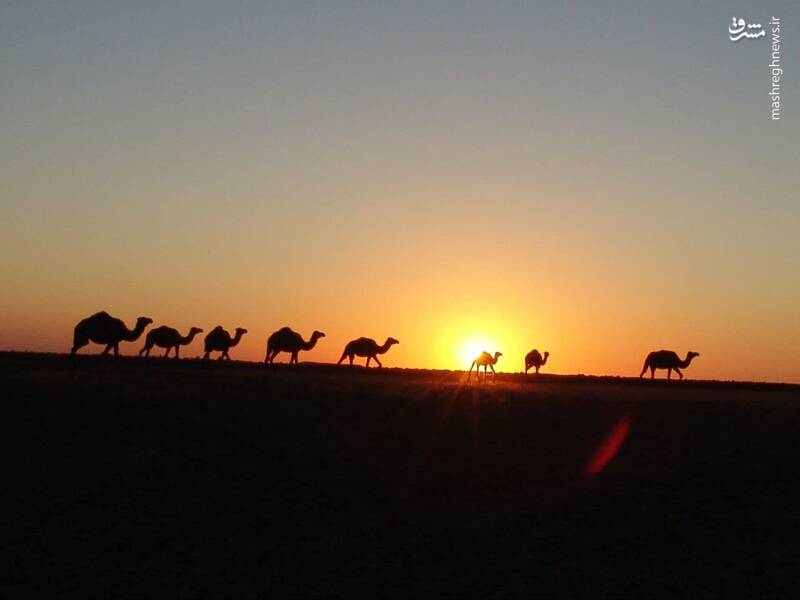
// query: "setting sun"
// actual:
[[470, 348]]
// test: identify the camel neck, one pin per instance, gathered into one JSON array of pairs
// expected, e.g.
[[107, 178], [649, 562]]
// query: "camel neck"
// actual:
[[310, 343]]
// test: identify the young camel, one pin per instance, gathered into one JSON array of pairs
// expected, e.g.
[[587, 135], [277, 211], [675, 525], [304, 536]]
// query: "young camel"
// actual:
[[102, 328], [366, 347], [169, 338], [534, 359], [486, 361], [666, 359], [220, 340], [286, 340]]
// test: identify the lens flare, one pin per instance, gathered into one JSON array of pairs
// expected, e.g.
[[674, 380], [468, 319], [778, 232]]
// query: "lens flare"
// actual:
[[608, 448]]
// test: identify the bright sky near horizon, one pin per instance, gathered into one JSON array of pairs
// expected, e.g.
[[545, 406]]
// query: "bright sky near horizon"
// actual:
[[595, 179]]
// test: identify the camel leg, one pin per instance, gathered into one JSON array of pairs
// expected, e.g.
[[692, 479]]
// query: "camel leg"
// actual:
[[678, 371], [537, 370], [166, 354], [377, 361], [369, 358], [116, 349], [78, 342], [107, 350], [294, 358], [669, 373], [494, 373], [177, 352], [226, 355], [652, 372], [205, 356], [470, 370]]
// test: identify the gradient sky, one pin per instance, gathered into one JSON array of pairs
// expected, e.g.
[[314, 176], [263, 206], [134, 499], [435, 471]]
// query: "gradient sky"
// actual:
[[596, 179]]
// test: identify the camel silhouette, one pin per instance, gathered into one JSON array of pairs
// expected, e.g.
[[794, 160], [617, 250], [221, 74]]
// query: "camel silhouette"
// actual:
[[169, 338], [366, 347], [666, 359], [534, 359], [102, 328], [286, 340], [220, 340], [487, 361]]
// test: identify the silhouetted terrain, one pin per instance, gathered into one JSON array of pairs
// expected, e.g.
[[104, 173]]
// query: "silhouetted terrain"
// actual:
[[133, 478]]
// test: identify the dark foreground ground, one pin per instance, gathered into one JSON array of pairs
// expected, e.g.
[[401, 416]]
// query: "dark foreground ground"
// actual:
[[133, 478]]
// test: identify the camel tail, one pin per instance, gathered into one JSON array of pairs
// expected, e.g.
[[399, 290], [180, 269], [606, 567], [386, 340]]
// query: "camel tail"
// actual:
[[342, 358], [644, 367], [77, 333], [79, 338]]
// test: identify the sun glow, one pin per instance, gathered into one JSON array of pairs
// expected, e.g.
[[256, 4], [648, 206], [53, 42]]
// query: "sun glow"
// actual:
[[469, 348]]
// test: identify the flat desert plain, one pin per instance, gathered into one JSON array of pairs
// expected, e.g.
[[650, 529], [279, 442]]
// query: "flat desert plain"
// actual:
[[144, 478]]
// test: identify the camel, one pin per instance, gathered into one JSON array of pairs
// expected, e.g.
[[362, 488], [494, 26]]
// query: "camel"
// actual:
[[366, 347], [486, 361], [102, 328], [286, 340], [534, 359], [221, 340], [169, 338], [666, 359]]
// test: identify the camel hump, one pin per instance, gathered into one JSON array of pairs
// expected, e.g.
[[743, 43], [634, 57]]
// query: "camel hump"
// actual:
[[217, 328], [100, 315], [283, 331]]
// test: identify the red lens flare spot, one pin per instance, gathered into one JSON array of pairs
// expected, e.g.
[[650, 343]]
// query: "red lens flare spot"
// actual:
[[608, 448]]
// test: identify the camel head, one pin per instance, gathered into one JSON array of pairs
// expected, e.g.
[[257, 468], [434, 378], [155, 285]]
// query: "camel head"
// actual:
[[391, 340], [690, 355], [317, 335], [143, 322], [195, 331], [497, 355], [240, 331], [546, 355]]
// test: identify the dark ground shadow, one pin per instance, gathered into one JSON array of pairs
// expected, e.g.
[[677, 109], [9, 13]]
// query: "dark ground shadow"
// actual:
[[127, 479]]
